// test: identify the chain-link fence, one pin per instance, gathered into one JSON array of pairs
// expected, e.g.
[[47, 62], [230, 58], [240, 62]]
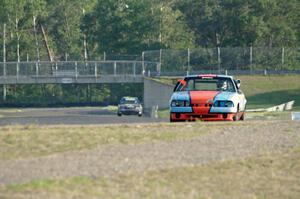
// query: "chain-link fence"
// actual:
[[170, 62], [226, 59]]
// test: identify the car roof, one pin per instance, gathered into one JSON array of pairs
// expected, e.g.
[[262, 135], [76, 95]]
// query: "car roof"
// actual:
[[208, 75], [129, 98]]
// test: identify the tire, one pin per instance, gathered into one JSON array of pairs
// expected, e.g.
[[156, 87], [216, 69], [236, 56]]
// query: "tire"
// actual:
[[171, 120], [119, 114], [236, 116], [140, 115], [242, 118]]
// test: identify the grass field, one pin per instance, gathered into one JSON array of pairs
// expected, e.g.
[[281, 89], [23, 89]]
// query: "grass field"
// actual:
[[266, 91], [33, 141], [273, 176]]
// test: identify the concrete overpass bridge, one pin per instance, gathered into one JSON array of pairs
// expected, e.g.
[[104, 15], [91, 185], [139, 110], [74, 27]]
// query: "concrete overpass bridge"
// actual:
[[89, 72]]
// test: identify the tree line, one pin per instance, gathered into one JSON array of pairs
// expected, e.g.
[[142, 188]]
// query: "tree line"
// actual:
[[86, 29], [59, 30]]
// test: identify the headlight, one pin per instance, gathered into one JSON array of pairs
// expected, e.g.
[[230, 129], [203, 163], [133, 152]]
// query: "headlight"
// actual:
[[223, 104], [180, 103]]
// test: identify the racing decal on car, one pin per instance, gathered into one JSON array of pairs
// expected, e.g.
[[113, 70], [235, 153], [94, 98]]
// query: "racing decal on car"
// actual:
[[202, 101]]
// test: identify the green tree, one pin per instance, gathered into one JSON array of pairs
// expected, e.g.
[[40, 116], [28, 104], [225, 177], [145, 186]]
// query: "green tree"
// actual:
[[122, 26], [243, 22], [174, 32], [279, 21]]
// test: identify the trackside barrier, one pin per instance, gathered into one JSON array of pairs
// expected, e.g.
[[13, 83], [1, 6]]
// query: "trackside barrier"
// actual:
[[281, 107], [296, 116], [154, 112]]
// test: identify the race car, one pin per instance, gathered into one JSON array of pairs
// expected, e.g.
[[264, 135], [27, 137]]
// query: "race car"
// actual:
[[207, 97], [130, 106]]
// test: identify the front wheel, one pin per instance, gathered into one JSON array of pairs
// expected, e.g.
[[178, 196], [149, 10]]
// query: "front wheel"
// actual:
[[236, 116], [171, 120], [242, 118], [119, 114]]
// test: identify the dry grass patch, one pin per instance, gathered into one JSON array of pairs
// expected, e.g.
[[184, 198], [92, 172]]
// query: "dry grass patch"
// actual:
[[273, 176], [32, 140]]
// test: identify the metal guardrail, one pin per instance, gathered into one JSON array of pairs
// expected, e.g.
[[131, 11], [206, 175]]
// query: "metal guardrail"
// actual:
[[76, 69]]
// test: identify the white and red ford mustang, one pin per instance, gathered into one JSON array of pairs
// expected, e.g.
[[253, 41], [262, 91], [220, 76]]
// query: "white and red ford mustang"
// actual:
[[207, 97]]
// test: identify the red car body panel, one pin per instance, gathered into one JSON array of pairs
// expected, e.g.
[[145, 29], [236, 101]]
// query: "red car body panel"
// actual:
[[201, 101]]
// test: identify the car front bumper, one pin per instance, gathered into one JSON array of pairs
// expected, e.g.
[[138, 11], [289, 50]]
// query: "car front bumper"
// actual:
[[130, 111], [205, 113], [203, 117]]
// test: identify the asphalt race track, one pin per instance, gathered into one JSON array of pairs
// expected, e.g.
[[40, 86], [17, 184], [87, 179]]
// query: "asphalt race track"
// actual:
[[79, 116]]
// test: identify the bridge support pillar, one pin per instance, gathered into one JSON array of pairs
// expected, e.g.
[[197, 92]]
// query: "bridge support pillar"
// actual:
[[156, 94]]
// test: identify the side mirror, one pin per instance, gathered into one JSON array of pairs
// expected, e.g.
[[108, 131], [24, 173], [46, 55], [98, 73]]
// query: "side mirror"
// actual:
[[238, 83]]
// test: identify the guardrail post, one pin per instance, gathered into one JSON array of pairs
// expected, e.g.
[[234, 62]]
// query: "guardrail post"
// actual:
[[55, 69], [115, 68], [4, 50], [158, 68], [37, 69], [251, 55], [4, 92], [160, 56], [219, 59], [17, 68], [189, 58], [282, 56], [76, 70], [134, 69], [96, 70], [4, 70], [143, 63]]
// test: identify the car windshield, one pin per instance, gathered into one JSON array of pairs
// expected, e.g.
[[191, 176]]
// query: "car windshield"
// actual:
[[129, 101], [208, 84]]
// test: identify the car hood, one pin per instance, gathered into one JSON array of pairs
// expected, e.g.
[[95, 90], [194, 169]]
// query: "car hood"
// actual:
[[222, 96], [202, 97], [182, 95]]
